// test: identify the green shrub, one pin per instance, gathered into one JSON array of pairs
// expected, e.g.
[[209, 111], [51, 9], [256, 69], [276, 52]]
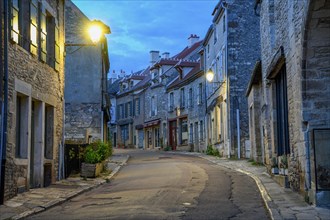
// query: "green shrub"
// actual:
[[97, 152], [212, 151]]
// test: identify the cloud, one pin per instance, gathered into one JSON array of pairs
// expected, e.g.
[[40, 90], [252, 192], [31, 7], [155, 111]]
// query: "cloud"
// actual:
[[140, 26]]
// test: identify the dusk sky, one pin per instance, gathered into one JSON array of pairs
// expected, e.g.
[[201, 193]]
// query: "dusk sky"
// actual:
[[140, 26]]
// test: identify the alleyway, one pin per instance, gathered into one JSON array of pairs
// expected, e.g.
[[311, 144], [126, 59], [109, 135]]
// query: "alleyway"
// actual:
[[156, 185]]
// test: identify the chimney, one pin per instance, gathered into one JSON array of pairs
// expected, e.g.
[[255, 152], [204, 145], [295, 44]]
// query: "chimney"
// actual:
[[166, 55], [192, 39], [154, 57]]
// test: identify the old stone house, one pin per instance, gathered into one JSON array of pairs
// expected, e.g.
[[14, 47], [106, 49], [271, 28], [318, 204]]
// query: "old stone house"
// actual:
[[231, 47], [35, 95], [186, 108], [129, 104], [87, 103], [288, 94], [163, 71]]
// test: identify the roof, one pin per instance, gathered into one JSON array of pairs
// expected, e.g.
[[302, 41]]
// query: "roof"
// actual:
[[191, 75], [144, 76], [255, 77], [187, 51], [113, 88], [173, 62]]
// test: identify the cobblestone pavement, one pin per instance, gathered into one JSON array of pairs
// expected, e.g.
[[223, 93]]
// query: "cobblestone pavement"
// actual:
[[282, 203], [40, 199]]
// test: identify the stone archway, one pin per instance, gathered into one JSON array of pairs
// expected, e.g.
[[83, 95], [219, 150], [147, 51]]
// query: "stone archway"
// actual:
[[316, 96]]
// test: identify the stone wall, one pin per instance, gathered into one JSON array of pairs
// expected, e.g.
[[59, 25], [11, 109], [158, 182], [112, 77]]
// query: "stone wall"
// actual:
[[243, 51], [83, 81], [301, 28], [82, 123], [37, 82]]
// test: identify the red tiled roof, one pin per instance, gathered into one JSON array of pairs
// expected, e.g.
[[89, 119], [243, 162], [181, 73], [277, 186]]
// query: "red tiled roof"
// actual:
[[188, 50], [192, 73]]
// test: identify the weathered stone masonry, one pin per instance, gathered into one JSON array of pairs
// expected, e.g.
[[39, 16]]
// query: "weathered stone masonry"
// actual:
[[42, 89]]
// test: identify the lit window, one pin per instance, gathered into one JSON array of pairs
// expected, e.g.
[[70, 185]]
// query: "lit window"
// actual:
[[34, 27]]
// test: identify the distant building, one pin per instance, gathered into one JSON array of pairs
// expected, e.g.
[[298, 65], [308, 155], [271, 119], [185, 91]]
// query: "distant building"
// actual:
[[87, 103], [288, 93], [231, 47], [36, 92]]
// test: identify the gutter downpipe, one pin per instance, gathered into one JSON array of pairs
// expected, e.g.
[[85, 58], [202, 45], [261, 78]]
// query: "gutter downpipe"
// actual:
[[3, 143], [227, 87]]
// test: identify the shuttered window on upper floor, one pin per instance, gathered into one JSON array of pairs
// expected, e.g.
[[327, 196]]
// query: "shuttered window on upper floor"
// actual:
[[34, 27]]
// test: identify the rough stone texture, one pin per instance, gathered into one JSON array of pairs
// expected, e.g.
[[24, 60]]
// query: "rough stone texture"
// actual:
[[241, 40], [302, 29], [85, 82], [38, 81], [82, 123]]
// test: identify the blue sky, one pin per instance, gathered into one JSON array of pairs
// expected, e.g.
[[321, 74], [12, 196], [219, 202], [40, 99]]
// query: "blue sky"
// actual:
[[140, 26]]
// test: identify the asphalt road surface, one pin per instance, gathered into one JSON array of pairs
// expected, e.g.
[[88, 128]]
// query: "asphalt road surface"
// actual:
[[160, 185]]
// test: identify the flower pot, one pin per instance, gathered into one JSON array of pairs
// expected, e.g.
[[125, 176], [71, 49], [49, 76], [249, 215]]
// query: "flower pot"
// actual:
[[91, 170], [286, 172], [274, 170]]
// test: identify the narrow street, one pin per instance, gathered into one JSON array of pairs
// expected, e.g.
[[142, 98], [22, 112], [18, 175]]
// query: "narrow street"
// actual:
[[159, 185]]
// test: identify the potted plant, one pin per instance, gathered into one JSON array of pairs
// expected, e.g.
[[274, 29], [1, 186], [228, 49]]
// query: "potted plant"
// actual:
[[284, 165], [94, 157], [274, 165]]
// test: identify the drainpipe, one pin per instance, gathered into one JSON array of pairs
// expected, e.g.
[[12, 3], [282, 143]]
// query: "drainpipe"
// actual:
[[238, 135], [308, 162], [4, 107]]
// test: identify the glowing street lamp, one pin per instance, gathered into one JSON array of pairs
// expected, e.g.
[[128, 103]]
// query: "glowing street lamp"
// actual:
[[209, 75], [96, 30]]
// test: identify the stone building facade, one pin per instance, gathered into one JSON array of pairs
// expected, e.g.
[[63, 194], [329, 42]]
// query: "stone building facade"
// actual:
[[129, 104], [231, 48], [186, 108], [35, 98], [289, 94], [87, 103]]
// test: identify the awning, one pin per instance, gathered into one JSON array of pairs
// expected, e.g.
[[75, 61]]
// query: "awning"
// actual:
[[151, 123]]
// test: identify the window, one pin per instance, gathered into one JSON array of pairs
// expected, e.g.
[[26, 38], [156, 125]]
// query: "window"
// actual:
[[182, 98], [171, 101], [153, 106], [15, 26], [50, 26], [22, 126], [224, 23], [184, 131], [282, 113], [130, 108], [137, 107], [34, 27], [190, 98], [126, 110], [42, 33], [215, 35], [223, 64], [49, 131], [201, 130], [200, 94]]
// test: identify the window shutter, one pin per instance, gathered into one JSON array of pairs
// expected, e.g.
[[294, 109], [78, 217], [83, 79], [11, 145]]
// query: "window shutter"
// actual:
[[131, 109], [57, 49]]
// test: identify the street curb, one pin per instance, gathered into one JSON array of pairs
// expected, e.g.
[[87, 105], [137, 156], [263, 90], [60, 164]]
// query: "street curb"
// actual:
[[62, 200]]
